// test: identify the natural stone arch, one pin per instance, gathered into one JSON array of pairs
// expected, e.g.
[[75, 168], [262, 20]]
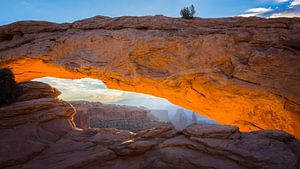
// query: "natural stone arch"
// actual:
[[236, 71]]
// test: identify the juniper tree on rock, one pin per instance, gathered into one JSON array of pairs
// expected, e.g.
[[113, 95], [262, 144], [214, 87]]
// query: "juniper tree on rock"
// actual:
[[188, 12]]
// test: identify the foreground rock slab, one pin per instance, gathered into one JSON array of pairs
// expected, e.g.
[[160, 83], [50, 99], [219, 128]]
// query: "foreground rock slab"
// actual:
[[38, 132]]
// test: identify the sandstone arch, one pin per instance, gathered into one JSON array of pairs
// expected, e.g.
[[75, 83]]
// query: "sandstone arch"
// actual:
[[241, 71]]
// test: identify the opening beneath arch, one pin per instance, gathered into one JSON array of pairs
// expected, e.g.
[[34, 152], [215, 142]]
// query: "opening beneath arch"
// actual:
[[97, 106]]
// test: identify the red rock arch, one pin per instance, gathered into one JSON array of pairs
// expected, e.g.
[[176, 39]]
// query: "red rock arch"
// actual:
[[235, 71]]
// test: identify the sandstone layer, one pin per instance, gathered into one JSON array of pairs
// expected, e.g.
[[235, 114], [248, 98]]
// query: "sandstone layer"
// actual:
[[98, 115], [241, 71], [38, 132]]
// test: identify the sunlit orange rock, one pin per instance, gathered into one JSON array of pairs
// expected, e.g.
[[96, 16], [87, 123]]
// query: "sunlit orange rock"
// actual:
[[240, 71]]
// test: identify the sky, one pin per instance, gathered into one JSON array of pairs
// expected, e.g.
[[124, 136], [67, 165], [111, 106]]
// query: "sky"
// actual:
[[70, 10]]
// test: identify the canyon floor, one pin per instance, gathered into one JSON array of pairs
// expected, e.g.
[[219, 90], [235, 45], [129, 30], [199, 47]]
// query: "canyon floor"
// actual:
[[37, 131]]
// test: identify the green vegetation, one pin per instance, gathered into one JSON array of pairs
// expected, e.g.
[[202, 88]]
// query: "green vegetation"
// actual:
[[8, 87], [188, 12]]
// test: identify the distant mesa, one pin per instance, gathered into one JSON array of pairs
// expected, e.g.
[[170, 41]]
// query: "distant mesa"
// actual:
[[98, 115]]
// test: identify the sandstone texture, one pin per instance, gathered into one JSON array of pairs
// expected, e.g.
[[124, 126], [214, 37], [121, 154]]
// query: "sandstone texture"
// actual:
[[38, 132], [240, 71], [98, 115]]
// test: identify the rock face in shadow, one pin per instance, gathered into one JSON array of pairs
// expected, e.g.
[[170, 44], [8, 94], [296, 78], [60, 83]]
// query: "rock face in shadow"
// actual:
[[98, 115], [32, 124], [38, 132], [240, 71]]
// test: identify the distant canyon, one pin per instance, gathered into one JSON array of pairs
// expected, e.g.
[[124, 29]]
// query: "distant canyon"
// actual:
[[98, 115]]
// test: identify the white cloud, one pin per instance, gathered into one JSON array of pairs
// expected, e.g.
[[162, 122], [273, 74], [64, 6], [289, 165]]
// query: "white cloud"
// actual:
[[290, 12], [247, 15], [293, 10], [256, 12], [280, 1], [259, 10], [295, 2]]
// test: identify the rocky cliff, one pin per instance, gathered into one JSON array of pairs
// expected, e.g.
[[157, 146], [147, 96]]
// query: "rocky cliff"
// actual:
[[29, 126], [180, 119], [241, 71], [161, 114], [98, 115], [38, 132]]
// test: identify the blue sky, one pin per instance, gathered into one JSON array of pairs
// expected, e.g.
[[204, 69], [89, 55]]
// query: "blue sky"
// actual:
[[71, 10]]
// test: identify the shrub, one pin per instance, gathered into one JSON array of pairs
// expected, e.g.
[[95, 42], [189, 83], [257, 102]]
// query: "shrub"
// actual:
[[188, 12], [7, 87]]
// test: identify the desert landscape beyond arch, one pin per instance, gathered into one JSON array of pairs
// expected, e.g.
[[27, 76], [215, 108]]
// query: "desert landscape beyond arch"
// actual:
[[238, 71]]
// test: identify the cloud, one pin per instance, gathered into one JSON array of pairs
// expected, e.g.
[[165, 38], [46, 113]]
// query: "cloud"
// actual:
[[290, 12], [280, 1], [292, 9], [295, 2], [256, 12], [259, 10]]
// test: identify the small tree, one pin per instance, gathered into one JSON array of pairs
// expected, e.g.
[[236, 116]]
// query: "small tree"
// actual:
[[7, 86], [188, 12]]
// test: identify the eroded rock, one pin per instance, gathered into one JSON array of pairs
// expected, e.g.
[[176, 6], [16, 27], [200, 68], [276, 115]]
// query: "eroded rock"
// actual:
[[240, 71], [39, 133], [211, 131], [28, 127]]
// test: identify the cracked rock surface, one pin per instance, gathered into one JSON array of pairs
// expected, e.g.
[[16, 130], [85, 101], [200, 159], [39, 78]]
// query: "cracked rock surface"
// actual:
[[38, 132], [237, 71]]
